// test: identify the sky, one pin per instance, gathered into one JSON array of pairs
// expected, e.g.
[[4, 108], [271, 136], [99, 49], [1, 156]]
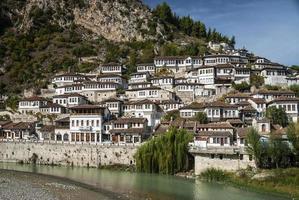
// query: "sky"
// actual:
[[268, 28]]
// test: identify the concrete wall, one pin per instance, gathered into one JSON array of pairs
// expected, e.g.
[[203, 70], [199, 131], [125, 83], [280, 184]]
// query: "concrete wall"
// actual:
[[67, 154], [228, 163]]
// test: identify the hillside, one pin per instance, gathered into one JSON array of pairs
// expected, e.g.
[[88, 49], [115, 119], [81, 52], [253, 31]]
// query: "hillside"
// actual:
[[41, 37]]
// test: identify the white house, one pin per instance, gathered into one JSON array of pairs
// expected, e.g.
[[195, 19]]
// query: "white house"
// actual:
[[164, 82], [70, 100], [144, 109], [139, 77], [86, 123], [290, 105], [128, 130], [152, 93], [112, 68], [32, 104], [146, 67], [274, 76], [114, 105], [67, 79]]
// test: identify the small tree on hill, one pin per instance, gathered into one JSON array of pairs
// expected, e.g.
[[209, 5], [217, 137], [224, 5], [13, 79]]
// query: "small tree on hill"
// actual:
[[254, 146], [256, 80], [201, 117], [277, 116]]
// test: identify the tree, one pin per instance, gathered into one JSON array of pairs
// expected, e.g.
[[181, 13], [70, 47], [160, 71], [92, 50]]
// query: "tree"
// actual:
[[232, 41], [295, 88], [279, 152], [165, 154], [172, 115], [254, 146], [201, 117], [277, 116], [163, 12], [186, 24], [242, 87], [293, 136], [256, 80]]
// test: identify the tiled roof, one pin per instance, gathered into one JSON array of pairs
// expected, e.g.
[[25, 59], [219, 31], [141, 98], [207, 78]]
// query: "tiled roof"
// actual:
[[238, 95], [214, 133], [280, 99], [129, 120], [242, 132], [215, 125], [19, 125], [258, 100], [128, 131], [34, 98], [68, 95]]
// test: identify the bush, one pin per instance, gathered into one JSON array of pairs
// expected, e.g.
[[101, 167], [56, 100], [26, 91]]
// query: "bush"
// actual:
[[213, 174]]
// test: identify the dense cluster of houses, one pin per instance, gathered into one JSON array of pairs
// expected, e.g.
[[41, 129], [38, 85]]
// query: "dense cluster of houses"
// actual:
[[104, 106]]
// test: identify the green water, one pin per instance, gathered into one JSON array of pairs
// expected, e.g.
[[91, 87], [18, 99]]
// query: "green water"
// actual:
[[144, 186]]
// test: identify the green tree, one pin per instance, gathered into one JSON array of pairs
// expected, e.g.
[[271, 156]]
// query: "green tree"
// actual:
[[293, 136], [256, 80], [163, 12], [295, 88], [186, 25], [279, 152], [277, 116], [171, 115], [232, 41], [165, 154], [242, 87], [254, 146], [201, 117]]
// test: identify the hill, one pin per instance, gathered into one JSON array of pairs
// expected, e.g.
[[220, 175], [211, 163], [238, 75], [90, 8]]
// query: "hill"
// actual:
[[41, 37]]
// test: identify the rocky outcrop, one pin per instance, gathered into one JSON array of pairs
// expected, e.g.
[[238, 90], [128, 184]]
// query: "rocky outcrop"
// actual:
[[117, 20]]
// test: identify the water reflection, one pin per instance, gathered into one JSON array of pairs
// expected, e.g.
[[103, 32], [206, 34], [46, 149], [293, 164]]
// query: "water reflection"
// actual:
[[136, 185]]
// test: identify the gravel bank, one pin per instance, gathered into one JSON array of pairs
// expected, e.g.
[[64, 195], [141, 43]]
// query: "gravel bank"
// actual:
[[26, 186]]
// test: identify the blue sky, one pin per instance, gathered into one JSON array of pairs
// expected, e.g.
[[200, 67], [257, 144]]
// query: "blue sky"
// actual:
[[269, 28]]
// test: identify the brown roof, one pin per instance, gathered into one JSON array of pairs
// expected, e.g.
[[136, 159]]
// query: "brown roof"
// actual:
[[111, 64], [66, 119], [215, 125], [279, 99], [218, 104], [128, 131], [234, 121], [87, 106], [146, 88], [242, 132], [2, 123], [248, 109], [129, 120], [145, 64], [214, 133], [69, 74], [34, 98], [140, 102], [19, 125], [224, 66], [277, 92], [68, 95], [258, 100], [47, 128], [238, 95], [112, 99]]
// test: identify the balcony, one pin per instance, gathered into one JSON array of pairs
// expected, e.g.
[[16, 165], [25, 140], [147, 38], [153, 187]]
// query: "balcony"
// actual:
[[85, 128]]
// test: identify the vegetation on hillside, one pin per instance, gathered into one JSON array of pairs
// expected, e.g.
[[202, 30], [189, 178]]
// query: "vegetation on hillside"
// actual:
[[29, 59], [277, 116], [274, 153], [165, 154]]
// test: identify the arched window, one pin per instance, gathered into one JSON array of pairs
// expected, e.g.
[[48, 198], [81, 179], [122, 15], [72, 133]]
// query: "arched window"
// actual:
[[65, 137], [58, 137], [263, 127]]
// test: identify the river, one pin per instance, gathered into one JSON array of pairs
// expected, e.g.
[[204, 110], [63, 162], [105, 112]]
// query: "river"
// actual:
[[142, 186]]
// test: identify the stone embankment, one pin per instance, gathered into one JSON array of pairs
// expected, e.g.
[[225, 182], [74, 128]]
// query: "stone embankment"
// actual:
[[67, 154]]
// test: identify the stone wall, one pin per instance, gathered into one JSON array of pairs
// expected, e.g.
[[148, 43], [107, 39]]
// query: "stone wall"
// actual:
[[67, 154], [228, 163]]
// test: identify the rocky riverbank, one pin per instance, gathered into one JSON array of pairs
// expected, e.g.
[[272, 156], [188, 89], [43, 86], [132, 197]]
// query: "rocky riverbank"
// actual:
[[21, 185]]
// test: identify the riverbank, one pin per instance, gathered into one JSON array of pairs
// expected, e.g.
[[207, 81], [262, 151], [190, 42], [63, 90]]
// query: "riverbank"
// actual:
[[276, 181], [22, 185]]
